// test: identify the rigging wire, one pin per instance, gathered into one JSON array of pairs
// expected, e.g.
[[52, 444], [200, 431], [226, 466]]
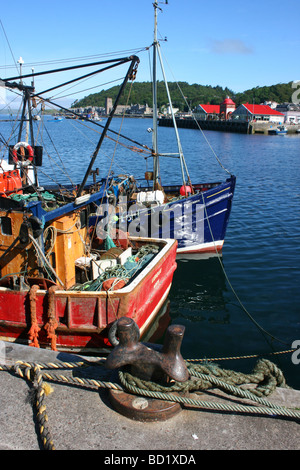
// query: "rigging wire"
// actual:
[[197, 123], [15, 64], [262, 330], [78, 59], [128, 147], [123, 170], [85, 89], [112, 159], [60, 159], [56, 105]]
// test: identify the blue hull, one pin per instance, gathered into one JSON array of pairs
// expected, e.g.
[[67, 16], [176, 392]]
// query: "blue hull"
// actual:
[[197, 222]]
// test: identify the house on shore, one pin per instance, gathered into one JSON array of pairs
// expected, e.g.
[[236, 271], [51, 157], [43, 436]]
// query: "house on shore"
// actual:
[[257, 112], [140, 109], [209, 112], [290, 111]]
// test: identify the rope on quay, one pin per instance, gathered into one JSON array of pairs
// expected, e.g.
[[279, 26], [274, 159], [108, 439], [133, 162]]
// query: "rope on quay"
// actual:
[[266, 376], [33, 373]]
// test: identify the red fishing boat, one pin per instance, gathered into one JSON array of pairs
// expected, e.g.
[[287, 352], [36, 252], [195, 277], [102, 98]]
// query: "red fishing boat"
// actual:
[[39, 312], [65, 281]]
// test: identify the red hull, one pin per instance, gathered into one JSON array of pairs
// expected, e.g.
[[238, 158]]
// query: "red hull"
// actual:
[[84, 318]]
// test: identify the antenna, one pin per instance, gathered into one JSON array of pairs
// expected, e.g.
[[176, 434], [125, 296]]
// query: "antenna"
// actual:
[[21, 62]]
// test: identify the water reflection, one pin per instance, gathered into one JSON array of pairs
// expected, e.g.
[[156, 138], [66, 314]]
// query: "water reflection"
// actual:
[[198, 288]]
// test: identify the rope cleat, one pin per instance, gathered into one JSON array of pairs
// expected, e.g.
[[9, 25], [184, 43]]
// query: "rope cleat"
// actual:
[[146, 362]]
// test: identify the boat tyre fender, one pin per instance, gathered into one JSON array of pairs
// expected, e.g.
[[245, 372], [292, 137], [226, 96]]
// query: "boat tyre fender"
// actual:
[[112, 333], [29, 157]]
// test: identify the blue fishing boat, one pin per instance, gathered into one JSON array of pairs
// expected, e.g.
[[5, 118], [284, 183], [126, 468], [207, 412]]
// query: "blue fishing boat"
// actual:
[[195, 214]]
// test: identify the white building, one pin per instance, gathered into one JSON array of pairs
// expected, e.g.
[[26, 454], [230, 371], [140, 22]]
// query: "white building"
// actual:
[[257, 112], [290, 111]]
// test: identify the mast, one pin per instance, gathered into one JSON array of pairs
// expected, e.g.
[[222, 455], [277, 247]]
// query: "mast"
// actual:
[[29, 93], [156, 52], [129, 76], [154, 85]]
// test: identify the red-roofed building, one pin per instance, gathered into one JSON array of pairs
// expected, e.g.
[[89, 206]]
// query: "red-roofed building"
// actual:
[[257, 112], [208, 111], [227, 108], [215, 111]]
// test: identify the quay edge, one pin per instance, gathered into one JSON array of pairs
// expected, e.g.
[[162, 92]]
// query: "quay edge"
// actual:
[[241, 127], [83, 419]]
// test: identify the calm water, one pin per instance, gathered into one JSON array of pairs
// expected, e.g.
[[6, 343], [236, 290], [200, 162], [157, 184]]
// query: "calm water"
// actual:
[[261, 255]]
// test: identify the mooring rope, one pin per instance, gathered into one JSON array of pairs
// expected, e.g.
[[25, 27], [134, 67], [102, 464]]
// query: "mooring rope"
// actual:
[[266, 376], [262, 330]]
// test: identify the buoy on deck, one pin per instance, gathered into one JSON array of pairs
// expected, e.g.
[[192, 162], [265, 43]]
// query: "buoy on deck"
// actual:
[[185, 190]]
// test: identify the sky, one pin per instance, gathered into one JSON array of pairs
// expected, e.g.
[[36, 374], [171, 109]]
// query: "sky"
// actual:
[[230, 43]]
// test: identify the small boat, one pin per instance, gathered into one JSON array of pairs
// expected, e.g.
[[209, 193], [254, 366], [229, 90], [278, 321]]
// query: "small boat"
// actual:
[[280, 130], [63, 284]]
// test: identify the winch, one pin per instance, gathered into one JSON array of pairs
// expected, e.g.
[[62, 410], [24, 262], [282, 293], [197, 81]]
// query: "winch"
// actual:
[[158, 363]]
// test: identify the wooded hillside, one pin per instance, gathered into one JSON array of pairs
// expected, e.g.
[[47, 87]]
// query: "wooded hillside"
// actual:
[[141, 93]]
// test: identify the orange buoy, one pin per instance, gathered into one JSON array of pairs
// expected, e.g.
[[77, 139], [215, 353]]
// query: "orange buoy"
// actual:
[[114, 283]]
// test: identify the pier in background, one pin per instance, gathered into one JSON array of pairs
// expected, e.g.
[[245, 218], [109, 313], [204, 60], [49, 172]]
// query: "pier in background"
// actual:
[[242, 127]]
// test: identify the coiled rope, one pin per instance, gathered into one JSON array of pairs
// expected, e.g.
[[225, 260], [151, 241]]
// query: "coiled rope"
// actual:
[[266, 375]]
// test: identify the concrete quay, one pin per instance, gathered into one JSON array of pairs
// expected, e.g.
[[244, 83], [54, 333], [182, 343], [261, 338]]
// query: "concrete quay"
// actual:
[[83, 419], [241, 127]]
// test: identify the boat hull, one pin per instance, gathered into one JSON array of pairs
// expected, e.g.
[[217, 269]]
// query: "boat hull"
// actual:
[[197, 222], [83, 319]]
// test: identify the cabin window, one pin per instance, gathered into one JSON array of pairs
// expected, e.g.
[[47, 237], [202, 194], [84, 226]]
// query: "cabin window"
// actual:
[[5, 224]]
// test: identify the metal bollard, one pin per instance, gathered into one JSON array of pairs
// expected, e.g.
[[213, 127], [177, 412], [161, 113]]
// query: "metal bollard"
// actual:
[[149, 362]]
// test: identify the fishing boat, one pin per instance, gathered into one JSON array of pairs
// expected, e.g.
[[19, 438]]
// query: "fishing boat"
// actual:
[[63, 284], [280, 130], [196, 214]]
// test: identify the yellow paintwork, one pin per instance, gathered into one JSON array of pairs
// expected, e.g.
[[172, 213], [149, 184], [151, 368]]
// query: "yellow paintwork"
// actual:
[[67, 248]]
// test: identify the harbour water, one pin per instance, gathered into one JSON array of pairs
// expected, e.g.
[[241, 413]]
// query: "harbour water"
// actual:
[[246, 302]]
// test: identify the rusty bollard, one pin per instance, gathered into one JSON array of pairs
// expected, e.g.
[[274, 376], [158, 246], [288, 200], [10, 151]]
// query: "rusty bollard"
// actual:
[[149, 362]]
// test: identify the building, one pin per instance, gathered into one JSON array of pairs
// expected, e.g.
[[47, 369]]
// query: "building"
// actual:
[[290, 111], [208, 112], [257, 112], [108, 105], [121, 109], [226, 109], [272, 104], [140, 109]]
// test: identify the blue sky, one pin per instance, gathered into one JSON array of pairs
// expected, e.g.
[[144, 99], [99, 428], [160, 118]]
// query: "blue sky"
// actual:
[[230, 43]]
